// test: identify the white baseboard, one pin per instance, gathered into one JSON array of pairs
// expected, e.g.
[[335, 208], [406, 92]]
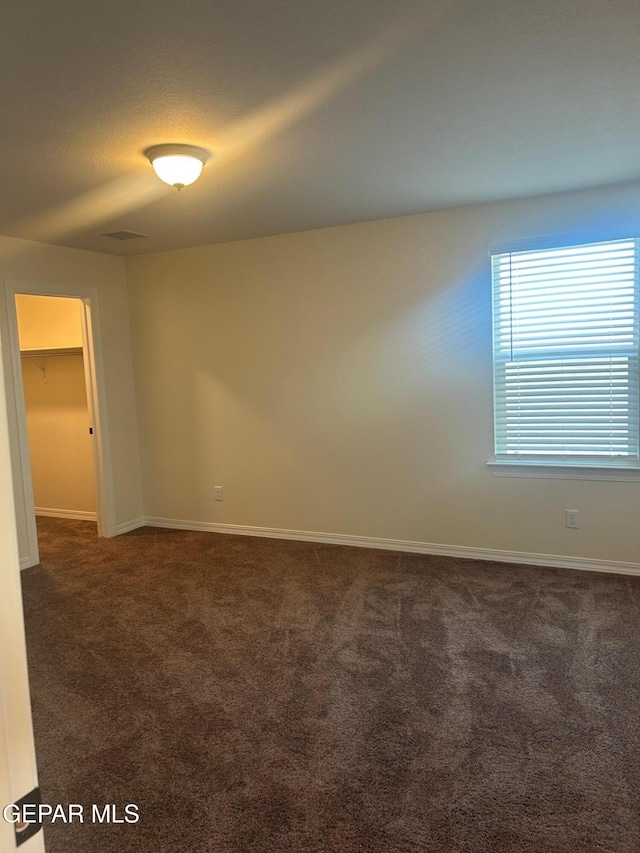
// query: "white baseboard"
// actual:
[[127, 526], [464, 552], [26, 563], [66, 513], [89, 516]]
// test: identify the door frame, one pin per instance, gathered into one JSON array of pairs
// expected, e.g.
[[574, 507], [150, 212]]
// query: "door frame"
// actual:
[[18, 771], [96, 400]]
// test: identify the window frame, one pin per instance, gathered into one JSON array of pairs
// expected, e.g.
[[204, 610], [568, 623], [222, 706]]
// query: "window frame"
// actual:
[[571, 466]]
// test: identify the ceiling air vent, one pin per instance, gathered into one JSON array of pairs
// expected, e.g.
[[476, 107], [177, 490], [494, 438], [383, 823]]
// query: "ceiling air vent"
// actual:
[[124, 235]]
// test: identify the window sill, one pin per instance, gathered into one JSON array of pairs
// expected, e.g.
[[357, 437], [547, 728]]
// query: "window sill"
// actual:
[[549, 471]]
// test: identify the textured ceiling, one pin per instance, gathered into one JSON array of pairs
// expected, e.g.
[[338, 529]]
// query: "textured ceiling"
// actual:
[[317, 112]]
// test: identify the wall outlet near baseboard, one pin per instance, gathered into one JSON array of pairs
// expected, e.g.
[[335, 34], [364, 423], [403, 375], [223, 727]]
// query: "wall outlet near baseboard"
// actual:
[[573, 518], [219, 493]]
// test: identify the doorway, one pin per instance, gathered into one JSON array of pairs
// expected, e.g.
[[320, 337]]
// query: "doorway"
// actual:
[[48, 347], [55, 394]]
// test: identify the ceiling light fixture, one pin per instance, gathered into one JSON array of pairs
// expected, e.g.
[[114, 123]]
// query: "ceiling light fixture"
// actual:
[[178, 165]]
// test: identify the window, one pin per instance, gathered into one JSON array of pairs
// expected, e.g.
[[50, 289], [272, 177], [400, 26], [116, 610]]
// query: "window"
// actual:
[[565, 330]]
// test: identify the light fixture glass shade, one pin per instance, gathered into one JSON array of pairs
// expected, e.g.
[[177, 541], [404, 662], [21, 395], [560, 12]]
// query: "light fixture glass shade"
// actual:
[[178, 165], [177, 171]]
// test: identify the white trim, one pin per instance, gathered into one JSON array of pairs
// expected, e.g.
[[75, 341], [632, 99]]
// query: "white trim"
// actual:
[[97, 403], [128, 526], [80, 514], [14, 364], [547, 471], [18, 773], [462, 551], [26, 563]]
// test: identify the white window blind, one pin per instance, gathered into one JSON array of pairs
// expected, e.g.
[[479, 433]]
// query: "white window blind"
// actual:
[[565, 329]]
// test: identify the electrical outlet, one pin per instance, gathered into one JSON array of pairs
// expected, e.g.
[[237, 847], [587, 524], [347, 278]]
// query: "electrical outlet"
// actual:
[[573, 518], [218, 493]]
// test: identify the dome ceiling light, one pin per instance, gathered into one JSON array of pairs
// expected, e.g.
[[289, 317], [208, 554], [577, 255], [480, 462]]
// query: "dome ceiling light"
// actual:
[[178, 165]]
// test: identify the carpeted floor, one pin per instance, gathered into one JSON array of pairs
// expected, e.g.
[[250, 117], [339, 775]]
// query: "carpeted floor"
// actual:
[[267, 696]]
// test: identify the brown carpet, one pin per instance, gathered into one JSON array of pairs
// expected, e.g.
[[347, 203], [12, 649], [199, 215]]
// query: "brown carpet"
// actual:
[[259, 695]]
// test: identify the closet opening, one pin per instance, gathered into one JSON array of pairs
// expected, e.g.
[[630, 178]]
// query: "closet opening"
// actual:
[[62, 452], [59, 424]]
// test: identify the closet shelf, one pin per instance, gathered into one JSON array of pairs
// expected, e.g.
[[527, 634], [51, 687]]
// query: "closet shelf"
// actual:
[[45, 353]]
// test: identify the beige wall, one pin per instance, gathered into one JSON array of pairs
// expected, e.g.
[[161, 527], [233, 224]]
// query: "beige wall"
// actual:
[[27, 261], [340, 381], [59, 443], [45, 322]]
